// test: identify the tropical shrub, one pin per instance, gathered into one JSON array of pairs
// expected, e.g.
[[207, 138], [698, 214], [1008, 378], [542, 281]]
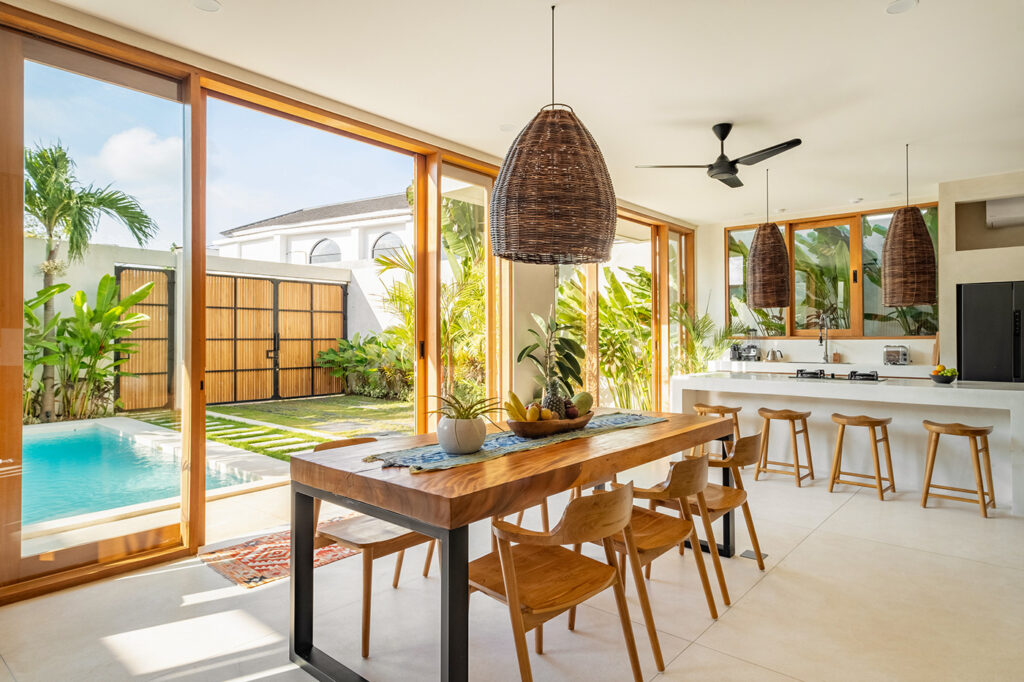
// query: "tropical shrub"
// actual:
[[39, 348], [93, 344], [463, 301], [624, 330], [85, 349], [702, 341], [372, 366]]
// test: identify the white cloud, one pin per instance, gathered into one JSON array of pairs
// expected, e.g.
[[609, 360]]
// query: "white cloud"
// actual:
[[138, 156]]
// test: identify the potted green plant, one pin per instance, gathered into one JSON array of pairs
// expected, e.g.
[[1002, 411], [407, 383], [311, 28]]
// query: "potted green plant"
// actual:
[[560, 363], [461, 429]]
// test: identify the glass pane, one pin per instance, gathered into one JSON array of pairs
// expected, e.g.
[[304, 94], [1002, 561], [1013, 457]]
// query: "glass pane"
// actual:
[[463, 293], [624, 333], [103, 327], [310, 296], [676, 303], [821, 277], [758, 321], [881, 320]]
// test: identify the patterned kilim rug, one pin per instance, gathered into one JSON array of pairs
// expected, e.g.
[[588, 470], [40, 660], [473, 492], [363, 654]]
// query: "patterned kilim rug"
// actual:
[[265, 559]]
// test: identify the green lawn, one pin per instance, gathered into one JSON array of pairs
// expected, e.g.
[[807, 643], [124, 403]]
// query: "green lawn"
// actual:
[[277, 443], [341, 416]]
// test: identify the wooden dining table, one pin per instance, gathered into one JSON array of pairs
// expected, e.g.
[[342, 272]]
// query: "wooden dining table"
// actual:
[[442, 504]]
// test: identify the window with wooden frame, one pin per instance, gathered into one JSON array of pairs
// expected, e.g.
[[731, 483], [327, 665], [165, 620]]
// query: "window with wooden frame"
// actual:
[[835, 269]]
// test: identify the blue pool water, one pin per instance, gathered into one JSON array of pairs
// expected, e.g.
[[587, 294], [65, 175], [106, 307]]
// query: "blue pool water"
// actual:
[[71, 472]]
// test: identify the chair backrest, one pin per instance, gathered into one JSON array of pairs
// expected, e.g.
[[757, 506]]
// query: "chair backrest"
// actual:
[[686, 477], [344, 442], [592, 518], [747, 450]]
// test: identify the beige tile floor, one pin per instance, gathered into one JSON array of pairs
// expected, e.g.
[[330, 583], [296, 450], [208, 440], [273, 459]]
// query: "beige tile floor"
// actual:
[[855, 589]]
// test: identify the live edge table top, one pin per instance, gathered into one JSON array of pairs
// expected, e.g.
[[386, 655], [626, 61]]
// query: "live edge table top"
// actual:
[[452, 498]]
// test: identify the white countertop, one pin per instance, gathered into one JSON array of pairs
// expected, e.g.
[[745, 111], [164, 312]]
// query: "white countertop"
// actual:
[[985, 394]]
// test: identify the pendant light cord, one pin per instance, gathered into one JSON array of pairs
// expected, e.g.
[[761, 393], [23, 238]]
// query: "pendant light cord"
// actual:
[[552, 55], [906, 166], [766, 195]]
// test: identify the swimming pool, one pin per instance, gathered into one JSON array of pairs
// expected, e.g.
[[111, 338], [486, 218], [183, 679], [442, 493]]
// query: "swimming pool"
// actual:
[[67, 472]]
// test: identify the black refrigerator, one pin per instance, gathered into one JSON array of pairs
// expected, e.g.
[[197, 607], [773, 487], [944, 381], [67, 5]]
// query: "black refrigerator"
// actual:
[[988, 332]]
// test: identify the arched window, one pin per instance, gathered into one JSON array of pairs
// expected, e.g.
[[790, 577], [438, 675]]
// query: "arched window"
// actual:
[[325, 251], [388, 244]]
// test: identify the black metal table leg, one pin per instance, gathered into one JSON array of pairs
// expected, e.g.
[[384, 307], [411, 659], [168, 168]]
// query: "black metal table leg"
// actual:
[[455, 605], [454, 589], [727, 547]]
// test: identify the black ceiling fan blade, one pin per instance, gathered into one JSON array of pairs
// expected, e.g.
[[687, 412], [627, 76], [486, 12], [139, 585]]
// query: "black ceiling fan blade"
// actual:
[[767, 152], [731, 180], [704, 166]]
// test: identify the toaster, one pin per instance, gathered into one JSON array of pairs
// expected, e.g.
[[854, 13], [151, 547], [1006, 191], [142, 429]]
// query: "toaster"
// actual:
[[896, 355]]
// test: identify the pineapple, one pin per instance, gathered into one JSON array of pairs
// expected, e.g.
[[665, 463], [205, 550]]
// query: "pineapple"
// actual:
[[553, 399]]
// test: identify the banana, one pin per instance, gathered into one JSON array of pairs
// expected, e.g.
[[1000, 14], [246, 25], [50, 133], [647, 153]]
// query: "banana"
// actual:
[[518, 404], [514, 413]]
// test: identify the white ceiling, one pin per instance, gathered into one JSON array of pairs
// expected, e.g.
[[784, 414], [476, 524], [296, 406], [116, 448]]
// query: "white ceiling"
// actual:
[[650, 77]]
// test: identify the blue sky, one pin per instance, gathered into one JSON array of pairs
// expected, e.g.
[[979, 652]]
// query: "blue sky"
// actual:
[[258, 165]]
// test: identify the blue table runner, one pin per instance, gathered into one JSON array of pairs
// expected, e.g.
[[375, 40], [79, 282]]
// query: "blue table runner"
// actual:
[[433, 458]]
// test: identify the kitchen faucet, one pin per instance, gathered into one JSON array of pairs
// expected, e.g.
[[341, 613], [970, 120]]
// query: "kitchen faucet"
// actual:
[[823, 336]]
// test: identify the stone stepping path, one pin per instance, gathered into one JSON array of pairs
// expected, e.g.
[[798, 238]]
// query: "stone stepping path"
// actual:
[[279, 442]]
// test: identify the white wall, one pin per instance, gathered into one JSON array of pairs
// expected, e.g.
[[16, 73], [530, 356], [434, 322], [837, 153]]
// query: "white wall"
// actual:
[[979, 265], [533, 291]]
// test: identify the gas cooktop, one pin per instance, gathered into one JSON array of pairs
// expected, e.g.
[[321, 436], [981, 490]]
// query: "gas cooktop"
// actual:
[[820, 374]]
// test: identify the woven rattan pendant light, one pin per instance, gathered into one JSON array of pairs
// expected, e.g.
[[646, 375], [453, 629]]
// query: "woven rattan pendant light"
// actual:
[[908, 257], [553, 201], [767, 264]]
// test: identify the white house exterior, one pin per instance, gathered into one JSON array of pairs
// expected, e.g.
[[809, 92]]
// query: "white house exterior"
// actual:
[[346, 235]]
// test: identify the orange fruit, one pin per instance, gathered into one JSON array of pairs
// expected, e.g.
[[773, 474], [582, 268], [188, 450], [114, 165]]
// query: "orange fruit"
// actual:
[[935, 371]]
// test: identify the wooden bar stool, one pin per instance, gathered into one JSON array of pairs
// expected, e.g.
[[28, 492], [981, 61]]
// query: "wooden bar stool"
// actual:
[[792, 417], [975, 434], [718, 411], [872, 423]]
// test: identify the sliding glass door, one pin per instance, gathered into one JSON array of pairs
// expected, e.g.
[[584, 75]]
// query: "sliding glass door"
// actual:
[[99, 247]]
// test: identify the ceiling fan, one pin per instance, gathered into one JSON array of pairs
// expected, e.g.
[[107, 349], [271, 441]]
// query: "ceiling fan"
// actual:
[[723, 168]]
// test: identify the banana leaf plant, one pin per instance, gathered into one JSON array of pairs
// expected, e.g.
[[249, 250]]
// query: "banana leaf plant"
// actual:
[[38, 346], [561, 356], [93, 344]]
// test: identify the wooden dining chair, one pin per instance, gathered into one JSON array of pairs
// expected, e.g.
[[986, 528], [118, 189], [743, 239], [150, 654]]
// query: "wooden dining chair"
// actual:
[[372, 537], [656, 533], [539, 579], [720, 499]]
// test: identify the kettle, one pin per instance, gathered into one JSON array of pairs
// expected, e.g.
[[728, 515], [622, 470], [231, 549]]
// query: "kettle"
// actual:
[[775, 355]]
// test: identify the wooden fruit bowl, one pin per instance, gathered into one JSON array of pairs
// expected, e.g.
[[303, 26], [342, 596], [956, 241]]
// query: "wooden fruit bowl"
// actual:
[[550, 427]]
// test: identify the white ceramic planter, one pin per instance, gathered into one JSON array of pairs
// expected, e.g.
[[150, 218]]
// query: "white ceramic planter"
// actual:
[[461, 436]]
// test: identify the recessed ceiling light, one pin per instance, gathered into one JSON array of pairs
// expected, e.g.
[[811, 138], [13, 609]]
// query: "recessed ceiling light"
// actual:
[[900, 6], [856, 200], [207, 5]]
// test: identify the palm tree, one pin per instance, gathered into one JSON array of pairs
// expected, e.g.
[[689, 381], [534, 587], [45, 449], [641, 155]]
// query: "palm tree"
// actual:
[[63, 209]]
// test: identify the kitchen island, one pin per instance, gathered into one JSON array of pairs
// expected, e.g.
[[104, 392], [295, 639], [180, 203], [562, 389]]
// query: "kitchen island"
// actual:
[[907, 401]]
